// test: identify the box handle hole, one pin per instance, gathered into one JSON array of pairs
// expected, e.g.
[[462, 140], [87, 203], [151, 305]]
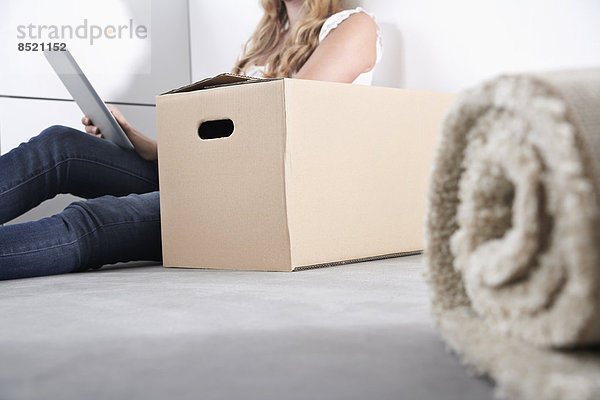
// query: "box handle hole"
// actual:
[[220, 128]]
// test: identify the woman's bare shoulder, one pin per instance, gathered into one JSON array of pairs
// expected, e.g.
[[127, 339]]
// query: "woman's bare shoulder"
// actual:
[[351, 24], [358, 32], [347, 49]]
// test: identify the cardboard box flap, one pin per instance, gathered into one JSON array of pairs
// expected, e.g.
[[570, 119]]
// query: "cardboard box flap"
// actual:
[[225, 79]]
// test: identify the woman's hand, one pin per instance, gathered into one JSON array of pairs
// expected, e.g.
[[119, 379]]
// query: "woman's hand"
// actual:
[[144, 146]]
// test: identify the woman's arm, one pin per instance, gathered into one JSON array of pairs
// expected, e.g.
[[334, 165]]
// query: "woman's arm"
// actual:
[[348, 51], [144, 146]]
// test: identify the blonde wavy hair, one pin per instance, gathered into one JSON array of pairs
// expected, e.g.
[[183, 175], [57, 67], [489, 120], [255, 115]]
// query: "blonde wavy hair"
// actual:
[[260, 49]]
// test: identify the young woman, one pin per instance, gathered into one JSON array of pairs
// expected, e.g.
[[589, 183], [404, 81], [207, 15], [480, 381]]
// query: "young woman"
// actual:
[[120, 220]]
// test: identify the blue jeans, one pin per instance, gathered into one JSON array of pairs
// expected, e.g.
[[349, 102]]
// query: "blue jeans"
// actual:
[[119, 221]]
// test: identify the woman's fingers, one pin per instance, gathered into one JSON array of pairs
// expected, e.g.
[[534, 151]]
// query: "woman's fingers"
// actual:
[[90, 128], [93, 130], [119, 117]]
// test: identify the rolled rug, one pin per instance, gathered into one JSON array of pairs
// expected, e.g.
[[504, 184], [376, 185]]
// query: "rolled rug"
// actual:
[[513, 233]]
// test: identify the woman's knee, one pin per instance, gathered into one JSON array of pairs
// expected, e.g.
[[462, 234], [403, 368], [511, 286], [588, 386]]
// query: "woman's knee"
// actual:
[[62, 140], [116, 229], [58, 133], [111, 209]]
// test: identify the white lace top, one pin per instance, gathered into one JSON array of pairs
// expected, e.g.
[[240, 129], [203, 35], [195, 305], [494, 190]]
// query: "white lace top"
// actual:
[[330, 24]]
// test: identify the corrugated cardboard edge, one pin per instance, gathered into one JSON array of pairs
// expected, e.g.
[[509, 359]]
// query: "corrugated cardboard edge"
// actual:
[[358, 260], [198, 85], [221, 80], [284, 171], [311, 267]]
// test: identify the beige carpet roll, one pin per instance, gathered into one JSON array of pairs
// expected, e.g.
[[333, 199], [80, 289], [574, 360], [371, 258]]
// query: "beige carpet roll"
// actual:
[[513, 232]]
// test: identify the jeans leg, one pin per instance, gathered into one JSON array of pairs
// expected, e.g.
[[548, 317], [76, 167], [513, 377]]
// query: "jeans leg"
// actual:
[[87, 234], [65, 160]]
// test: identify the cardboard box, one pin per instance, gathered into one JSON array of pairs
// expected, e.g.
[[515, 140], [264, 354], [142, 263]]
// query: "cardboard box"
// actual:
[[288, 174]]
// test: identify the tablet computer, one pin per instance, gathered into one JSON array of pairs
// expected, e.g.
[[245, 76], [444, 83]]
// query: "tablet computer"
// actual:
[[86, 97]]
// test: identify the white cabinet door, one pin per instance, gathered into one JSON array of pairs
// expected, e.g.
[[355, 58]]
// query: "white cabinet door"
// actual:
[[135, 75], [21, 119]]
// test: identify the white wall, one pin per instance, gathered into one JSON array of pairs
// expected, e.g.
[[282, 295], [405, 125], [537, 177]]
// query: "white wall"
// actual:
[[431, 44], [448, 45], [218, 30]]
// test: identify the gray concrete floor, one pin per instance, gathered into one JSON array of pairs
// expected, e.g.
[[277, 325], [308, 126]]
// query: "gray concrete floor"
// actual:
[[358, 331]]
